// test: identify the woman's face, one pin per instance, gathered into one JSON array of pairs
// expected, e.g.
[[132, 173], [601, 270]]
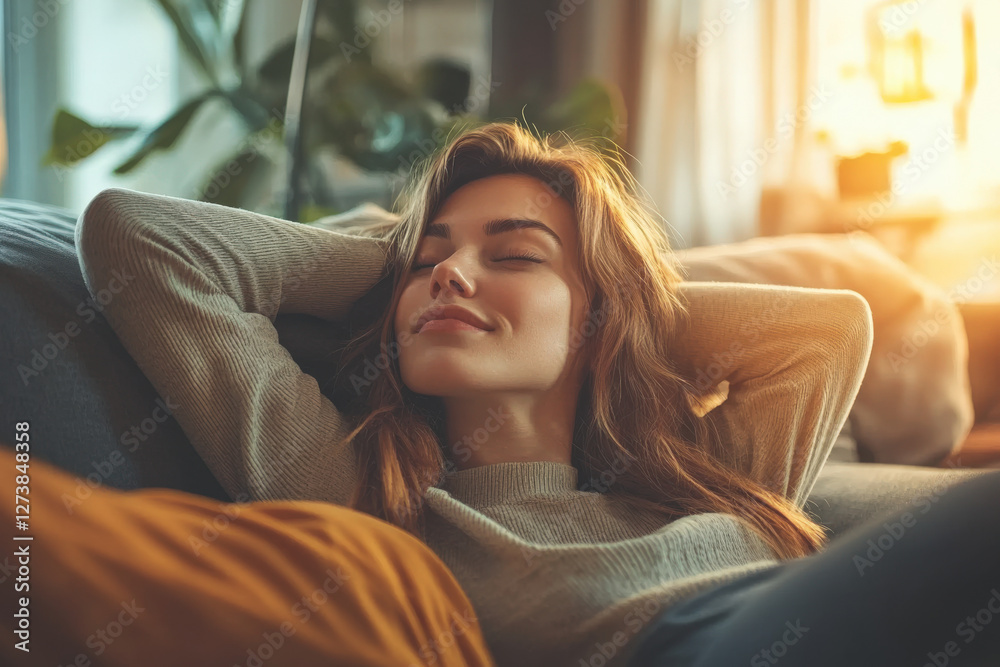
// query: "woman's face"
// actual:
[[532, 308]]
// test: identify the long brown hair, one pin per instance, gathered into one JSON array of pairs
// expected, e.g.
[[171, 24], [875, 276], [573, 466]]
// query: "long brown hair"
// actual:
[[635, 409]]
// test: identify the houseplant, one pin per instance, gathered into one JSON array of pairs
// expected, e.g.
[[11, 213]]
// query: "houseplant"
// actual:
[[380, 121]]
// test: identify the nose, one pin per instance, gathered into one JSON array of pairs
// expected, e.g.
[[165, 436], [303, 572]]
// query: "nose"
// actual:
[[448, 274]]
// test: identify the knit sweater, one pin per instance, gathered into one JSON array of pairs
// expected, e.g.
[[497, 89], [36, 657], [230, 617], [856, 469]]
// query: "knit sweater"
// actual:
[[559, 572]]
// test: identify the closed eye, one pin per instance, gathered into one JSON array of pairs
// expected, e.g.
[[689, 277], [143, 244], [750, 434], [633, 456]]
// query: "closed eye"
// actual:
[[526, 257]]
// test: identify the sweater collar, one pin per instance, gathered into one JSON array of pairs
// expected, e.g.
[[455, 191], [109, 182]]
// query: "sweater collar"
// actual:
[[509, 481]]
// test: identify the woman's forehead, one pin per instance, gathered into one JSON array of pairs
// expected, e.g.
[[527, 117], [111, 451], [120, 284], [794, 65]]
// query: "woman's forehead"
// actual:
[[513, 197]]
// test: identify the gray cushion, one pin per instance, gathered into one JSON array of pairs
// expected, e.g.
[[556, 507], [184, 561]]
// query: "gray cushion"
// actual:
[[67, 374]]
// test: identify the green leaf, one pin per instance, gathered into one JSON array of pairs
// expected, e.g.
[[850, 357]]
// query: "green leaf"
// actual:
[[219, 22], [74, 139], [238, 53], [230, 15], [164, 135], [191, 38], [212, 7], [230, 183], [205, 24], [248, 107]]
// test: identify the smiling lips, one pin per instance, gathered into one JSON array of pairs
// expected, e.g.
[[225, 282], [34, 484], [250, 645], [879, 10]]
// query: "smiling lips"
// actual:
[[448, 324], [450, 318]]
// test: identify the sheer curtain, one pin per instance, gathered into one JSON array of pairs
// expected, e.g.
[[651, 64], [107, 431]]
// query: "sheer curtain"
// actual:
[[723, 100]]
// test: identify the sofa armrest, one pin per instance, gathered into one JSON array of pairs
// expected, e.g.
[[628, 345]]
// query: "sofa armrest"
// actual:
[[847, 494]]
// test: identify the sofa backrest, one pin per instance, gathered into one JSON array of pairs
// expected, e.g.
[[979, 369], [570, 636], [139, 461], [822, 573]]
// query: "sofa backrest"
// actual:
[[91, 409]]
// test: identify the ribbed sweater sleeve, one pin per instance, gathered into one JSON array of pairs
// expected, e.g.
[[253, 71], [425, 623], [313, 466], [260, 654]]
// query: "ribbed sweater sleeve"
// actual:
[[794, 359], [192, 290]]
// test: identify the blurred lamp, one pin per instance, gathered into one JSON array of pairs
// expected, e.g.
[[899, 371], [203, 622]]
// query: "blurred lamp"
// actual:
[[917, 54]]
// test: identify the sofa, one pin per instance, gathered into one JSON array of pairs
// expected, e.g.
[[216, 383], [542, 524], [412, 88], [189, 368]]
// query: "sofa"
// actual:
[[93, 412]]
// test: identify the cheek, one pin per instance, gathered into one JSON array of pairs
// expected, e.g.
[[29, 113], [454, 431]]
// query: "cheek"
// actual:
[[545, 315]]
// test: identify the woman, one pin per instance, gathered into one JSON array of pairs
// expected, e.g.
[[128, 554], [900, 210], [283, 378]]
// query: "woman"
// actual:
[[527, 395]]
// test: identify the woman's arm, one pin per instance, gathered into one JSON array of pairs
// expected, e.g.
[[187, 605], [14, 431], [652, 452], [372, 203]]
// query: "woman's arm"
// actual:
[[192, 290], [794, 359]]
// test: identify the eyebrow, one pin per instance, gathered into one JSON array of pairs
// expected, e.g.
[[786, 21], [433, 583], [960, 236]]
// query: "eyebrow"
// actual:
[[494, 227]]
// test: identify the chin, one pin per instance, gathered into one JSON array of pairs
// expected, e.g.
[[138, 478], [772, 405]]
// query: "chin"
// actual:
[[441, 379]]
